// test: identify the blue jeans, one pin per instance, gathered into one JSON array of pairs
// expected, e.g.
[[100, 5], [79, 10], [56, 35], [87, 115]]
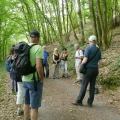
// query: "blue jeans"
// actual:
[[32, 97], [46, 66], [13, 83]]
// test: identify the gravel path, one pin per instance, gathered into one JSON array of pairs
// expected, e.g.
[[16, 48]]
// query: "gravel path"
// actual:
[[56, 104], [58, 96]]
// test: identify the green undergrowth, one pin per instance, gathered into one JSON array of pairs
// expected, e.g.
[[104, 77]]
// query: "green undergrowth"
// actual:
[[111, 80], [2, 78], [108, 81]]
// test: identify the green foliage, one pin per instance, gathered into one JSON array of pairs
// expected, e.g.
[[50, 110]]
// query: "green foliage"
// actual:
[[2, 66], [115, 65], [2, 77], [111, 82]]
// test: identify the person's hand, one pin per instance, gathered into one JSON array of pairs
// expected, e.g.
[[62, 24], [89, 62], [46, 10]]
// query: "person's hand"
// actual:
[[12, 57], [41, 81]]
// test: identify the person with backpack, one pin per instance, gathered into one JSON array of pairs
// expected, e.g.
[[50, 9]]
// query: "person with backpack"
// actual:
[[45, 62], [28, 63], [63, 57], [92, 62], [9, 62], [78, 59], [56, 61], [20, 93]]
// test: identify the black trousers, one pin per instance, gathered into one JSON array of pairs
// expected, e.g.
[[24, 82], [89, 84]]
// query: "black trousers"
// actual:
[[46, 66], [89, 77]]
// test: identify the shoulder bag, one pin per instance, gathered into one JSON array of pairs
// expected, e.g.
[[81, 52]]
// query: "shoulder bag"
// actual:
[[83, 67]]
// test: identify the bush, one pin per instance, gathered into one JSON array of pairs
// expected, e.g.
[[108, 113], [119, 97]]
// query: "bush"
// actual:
[[111, 81], [115, 65]]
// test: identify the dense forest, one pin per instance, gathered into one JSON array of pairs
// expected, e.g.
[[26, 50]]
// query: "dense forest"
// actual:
[[56, 19]]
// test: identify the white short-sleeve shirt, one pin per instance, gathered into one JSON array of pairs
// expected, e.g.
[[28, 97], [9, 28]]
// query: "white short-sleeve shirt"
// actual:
[[78, 53]]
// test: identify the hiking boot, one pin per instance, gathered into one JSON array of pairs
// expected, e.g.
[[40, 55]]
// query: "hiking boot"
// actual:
[[96, 90], [77, 103], [63, 76], [78, 81], [90, 105], [19, 112]]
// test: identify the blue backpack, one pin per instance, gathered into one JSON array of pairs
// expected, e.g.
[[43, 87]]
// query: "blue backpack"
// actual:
[[8, 64]]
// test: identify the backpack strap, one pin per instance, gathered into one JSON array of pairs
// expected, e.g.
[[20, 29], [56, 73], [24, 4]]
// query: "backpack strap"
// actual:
[[93, 55], [32, 45], [79, 52], [35, 82], [34, 78]]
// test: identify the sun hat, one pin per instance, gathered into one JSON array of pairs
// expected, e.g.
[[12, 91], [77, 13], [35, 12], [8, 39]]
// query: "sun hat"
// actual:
[[55, 49]]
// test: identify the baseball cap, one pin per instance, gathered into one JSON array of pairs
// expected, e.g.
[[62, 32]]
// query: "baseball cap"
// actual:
[[92, 38], [34, 34]]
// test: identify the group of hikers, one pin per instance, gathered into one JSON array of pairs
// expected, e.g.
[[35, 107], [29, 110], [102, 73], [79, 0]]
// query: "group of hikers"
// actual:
[[28, 65]]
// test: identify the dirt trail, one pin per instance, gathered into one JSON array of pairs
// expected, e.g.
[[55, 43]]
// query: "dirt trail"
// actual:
[[57, 98], [58, 94]]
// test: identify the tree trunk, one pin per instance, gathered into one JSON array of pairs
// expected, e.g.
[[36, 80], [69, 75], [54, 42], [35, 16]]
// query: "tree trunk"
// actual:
[[104, 35], [93, 17], [71, 23], [81, 22]]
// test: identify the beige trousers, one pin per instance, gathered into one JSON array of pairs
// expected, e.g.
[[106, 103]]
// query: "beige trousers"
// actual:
[[77, 67], [55, 71]]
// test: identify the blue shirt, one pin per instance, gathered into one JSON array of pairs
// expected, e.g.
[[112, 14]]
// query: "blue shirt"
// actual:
[[89, 53], [46, 55]]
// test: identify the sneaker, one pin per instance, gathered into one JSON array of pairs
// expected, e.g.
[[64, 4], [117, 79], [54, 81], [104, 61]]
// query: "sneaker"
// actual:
[[20, 112], [89, 105]]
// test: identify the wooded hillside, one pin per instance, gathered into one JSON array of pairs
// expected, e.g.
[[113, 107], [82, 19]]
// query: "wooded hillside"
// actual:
[[56, 19]]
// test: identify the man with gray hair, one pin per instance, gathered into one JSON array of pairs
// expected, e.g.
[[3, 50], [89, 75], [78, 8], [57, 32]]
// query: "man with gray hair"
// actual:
[[93, 55], [78, 59]]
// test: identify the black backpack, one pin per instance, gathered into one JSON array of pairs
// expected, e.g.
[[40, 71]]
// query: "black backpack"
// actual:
[[21, 63]]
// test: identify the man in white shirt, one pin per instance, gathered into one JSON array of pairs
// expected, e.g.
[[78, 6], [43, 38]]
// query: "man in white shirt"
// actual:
[[78, 59]]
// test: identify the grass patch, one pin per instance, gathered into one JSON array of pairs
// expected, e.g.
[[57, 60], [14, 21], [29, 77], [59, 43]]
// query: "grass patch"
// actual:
[[2, 78]]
